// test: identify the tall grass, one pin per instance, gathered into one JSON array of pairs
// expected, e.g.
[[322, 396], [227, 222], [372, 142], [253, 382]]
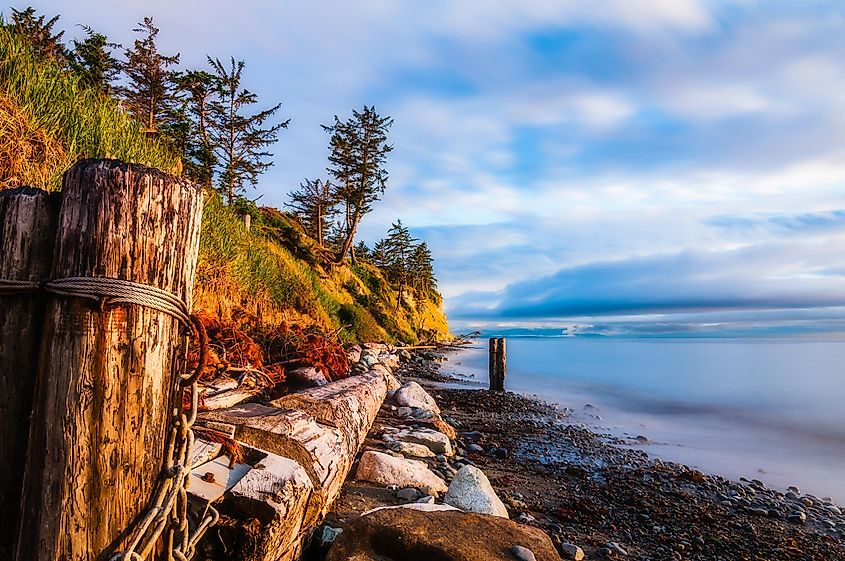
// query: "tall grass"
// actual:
[[82, 121]]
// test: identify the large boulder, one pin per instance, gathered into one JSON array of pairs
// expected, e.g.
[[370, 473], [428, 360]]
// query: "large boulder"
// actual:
[[385, 469], [411, 394], [405, 534], [471, 491]]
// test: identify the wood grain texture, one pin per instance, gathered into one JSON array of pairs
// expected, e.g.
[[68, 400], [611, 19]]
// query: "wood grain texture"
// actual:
[[27, 232], [109, 376]]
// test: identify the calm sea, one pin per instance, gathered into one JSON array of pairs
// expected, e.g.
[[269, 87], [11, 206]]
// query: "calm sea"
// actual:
[[768, 409]]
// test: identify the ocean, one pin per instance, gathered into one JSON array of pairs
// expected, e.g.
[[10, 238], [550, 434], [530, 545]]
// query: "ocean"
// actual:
[[768, 409]]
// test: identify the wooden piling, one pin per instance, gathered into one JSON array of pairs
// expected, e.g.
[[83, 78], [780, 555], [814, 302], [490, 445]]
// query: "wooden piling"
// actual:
[[27, 232], [497, 361], [108, 377]]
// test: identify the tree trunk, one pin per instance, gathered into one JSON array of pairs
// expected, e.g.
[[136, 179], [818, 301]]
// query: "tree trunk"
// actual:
[[108, 377], [350, 236], [27, 234]]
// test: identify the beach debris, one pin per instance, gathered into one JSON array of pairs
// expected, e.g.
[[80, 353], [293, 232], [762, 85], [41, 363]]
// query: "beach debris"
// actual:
[[384, 469], [471, 491]]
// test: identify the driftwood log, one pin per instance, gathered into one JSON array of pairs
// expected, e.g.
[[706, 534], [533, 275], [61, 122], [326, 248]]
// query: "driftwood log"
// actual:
[[27, 231], [108, 375]]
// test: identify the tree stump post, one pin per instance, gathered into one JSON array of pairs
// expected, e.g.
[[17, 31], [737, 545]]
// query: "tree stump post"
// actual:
[[108, 378], [27, 234], [496, 367]]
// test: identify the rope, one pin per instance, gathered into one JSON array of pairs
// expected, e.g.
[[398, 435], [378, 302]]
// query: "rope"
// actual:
[[166, 513]]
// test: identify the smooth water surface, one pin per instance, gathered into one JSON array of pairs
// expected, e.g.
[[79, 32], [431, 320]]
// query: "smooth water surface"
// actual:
[[771, 409]]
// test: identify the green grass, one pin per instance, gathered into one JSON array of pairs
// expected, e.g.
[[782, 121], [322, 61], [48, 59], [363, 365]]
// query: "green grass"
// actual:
[[87, 123]]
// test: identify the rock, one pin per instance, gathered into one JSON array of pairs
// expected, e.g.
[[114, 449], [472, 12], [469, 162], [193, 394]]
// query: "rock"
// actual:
[[306, 377], [389, 360], [404, 355], [797, 517], [436, 441], [523, 553], [428, 499], [832, 509], [475, 448], [369, 358], [411, 449], [418, 506], [404, 411], [326, 535], [499, 453], [408, 494], [410, 535], [572, 551], [386, 470], [411, 394], [616, 548], [471, 491]]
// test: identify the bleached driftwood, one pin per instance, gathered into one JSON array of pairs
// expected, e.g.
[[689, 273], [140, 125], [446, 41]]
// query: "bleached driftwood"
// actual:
[[349, 405]]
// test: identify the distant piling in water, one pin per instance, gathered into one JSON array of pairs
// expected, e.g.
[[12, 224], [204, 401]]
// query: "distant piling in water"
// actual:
[[498, 359]]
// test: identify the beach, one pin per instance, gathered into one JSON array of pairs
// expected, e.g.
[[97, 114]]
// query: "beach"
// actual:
[[602, 492]]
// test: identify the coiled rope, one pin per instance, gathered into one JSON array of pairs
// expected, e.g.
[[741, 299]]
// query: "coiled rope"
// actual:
[[166, 513]]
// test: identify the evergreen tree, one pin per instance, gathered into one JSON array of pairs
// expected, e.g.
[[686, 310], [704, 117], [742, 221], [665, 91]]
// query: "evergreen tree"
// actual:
[[39, 33], [358, 151], [314, 204], [379, 255], [149, 93], [362, 251], [198, 88], [240, 140], [92, 60], [398, 246], [421, 270]]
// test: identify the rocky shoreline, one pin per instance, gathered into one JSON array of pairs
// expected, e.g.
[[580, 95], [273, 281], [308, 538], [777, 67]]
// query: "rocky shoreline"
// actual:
[[590, 495]]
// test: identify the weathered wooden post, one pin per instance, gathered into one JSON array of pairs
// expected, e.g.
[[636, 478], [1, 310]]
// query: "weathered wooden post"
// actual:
[[27, 233], [108, 375], [496, 365]]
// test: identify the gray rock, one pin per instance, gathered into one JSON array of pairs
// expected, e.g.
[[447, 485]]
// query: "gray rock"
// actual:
[[411, 394], [428, 499], [327, 535], [616, 548], [408, 494], [797, 517], [411, 449], [572, 551], [471, 491], [475, 448], [436, 441], [522, 553], [386, 470]]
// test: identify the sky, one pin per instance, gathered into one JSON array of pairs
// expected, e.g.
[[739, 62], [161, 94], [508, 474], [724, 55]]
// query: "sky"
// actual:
[[570, 163]]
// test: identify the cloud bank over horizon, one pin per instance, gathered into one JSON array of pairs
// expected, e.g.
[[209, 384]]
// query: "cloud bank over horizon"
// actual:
[[565, 158]]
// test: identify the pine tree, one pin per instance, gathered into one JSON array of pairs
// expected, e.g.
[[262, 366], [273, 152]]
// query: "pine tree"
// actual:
[[362, 251], [314, 204], [198, 88], [358, 151], [398, 246], [379, 255], [92, 60], [39, 33], [149, 93], [240, 142], [421, 270]]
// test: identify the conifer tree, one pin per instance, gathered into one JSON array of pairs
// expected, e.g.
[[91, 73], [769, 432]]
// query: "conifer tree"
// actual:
[[362, 251], [314, 204], [92, 60], [421, 270], [398, 246], [358, 151], [198, 88], [240, 140], [149, 92], [39, 33]]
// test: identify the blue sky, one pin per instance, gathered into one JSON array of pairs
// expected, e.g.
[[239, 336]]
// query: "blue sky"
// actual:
[[567, 159]]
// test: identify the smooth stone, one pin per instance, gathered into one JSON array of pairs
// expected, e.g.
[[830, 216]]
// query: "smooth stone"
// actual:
[[572, 551], [471, 491], [436, 441], [411, 394], [384, 469], [475, 448], [523, 553], [408, 494], [411, 449]]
